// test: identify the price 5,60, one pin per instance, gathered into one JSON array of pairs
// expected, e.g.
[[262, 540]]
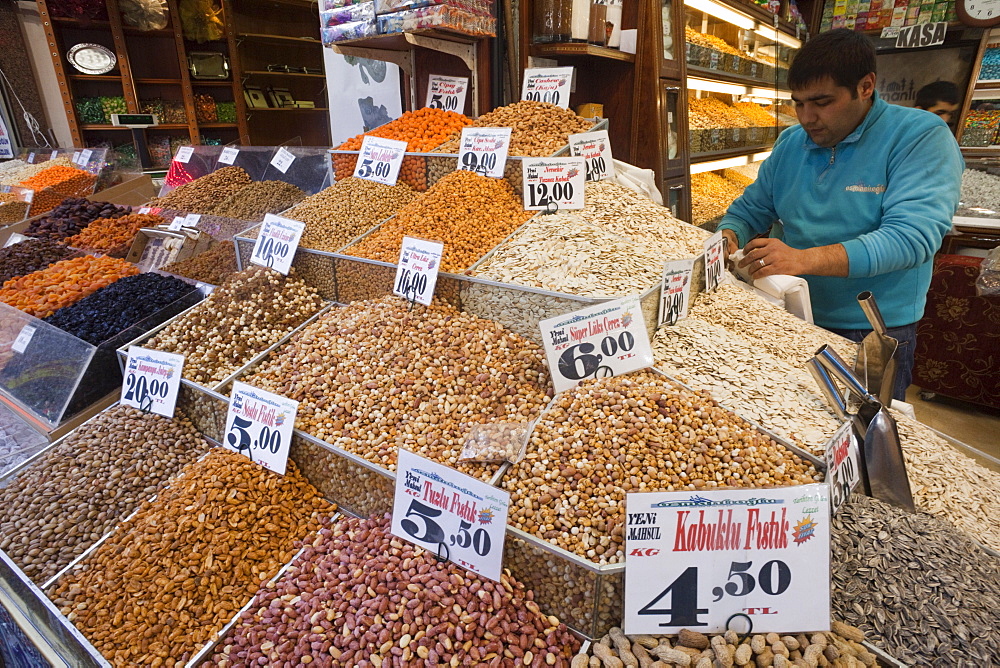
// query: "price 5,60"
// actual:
[[445, 102], [240, 440], [578, 362], [482, 164], [541, 195], [429, 531], [143, 391], [381, 169], [551, 96]]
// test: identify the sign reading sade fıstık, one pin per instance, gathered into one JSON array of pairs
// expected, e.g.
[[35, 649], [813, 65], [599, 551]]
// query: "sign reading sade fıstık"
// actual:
[[450, 514], [675, 290], [259, 425], [715, 260], [380, 159], [484, 151], [152, 380], [417, 271], [843, 465], [605, 340], [595, 149], [447, 93], [277, 242], [694, 559], [553, 183], [548, 84], [228, 155]]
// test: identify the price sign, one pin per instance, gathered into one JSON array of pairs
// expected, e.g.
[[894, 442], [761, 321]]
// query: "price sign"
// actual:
[[259, 425], [31, 158], [380, 159], [693, 559], [282, 160], [484, 151], [450, 514], [228, 155], [548, 84], [176, 224], [277, 242], [152, 380], [144, 209], [553, 183], [184, 154], [675, 290], [843, 461], [715, 261], [605, 340], [55, 154], [417, 271], [76, 157], [23, 339], [446, 93], [595, 149], [14, 238], [192, 219], [85, 157]]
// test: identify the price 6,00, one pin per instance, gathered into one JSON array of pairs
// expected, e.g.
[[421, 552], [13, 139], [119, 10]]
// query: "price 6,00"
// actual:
[[431, 532], [381, 169], [773, 578], [142, 391], [577, 362], [271, 249], [551, 96], [481, 164], [240, 440], [540, 195], [596, 167]]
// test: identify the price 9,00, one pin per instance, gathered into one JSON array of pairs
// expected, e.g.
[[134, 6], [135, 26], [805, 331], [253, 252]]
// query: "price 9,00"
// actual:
[[578, 362], [143, 392], [429, 531], [481, 163]]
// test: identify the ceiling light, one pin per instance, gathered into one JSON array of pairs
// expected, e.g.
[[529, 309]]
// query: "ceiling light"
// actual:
[[720, 11]]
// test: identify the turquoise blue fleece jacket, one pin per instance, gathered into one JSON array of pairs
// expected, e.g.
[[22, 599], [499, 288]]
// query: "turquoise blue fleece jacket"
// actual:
[[887, 192]]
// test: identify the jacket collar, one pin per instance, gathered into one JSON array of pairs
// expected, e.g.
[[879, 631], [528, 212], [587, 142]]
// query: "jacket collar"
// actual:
[[878, 107]]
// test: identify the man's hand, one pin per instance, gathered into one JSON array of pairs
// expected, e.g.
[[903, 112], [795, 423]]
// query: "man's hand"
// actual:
[[732, 242], [769, 257]]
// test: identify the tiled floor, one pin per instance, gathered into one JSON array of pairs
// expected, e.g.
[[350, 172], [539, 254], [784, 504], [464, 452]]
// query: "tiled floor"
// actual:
[[974, 425]]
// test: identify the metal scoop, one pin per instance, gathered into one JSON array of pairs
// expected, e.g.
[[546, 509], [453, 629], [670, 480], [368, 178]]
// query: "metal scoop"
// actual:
[[833, 396], [884, 466], [876, 361]]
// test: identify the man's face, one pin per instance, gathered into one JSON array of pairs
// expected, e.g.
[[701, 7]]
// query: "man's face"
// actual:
[[829, 112], [943, 109]]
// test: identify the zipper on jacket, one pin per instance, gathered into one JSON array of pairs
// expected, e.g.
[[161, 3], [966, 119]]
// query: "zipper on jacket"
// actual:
[[833, 156]]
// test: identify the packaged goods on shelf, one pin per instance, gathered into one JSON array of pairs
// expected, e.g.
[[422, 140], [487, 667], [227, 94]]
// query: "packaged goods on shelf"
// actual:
[[709, 41], [755, 113], [250, 312], [113, 236], [99, 473], [363, 11], [588, 519], [326, 5], [348, 31], [366, 343], [203, 546], [480, 7], [469, 213], [338, 562], [213, 266], [779, 396], [762, 651], [204, 109], [441, 17], [201, 195], [31, 255], [989, 68], [257, 199], [42, 293], [926, 593]]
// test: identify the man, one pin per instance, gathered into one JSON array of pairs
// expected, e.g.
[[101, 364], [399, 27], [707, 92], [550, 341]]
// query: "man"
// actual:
[[865, 192], [940, 97]]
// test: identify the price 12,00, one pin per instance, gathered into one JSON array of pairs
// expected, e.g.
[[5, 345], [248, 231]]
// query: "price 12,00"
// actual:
[[578, 362], [143, 392], [540, 194], [431, 531]]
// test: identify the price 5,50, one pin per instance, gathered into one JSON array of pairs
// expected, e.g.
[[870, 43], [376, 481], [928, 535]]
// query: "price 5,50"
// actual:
[[429, 531]]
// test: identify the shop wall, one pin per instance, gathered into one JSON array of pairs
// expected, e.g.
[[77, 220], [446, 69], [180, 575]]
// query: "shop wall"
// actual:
[[901, 75], [363, 94], [51, 115]]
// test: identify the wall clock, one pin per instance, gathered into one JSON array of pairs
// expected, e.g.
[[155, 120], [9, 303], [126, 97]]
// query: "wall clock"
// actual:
[[978, 13]]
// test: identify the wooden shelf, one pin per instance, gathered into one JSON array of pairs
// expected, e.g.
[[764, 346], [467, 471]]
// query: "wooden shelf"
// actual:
[[283, 74], [981, 151], [221, 82], [82, 24], [708, 156], [251, 110], [397, 41], [279, 39], [155, 82], [729, 77], [993, 84], [95, 77], [103, 126], [579, 50], [217, 125]]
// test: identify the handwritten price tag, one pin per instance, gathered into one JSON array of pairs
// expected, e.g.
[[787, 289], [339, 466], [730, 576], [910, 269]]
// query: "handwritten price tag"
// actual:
[[23, 339], [605, 340], [484, 151], [259, 425], [553, 183], [55, 154], [417, 271], [152, 380], [85, 157], [843, 461], [675, 290], [282, 160], [192, 219], [184, 154], [380, 159], [31, 158], [450, 514], [695, 559], [595, 149], [76, 157], [715, 261], [176, 224], [228, 155], [549, 84], [277, 243], [446, 93]]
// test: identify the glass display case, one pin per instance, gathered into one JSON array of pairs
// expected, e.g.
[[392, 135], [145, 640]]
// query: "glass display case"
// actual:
[[713, 190]]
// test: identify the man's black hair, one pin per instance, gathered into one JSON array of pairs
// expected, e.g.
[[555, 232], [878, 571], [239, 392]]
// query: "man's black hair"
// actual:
[[843, 55], [939, 91]]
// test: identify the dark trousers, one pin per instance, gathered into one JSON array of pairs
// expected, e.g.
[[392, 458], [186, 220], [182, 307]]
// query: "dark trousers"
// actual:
[[907, 337]]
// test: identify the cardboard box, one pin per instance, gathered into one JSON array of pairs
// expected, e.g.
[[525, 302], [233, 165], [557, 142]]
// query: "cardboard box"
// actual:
[[156, 247], [590, 110], [875, 7]]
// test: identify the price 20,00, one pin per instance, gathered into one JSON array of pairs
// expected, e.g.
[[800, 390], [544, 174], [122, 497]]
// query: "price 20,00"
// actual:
[[579, 361], [144, 392], [539, 194], [550, 96], [431, 531]]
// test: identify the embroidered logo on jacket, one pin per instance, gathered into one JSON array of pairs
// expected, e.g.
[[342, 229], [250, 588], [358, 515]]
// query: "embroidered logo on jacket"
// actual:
[[878, 190]]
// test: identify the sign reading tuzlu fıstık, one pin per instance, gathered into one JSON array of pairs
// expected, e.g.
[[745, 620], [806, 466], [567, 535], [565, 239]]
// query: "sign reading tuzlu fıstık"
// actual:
[[715, 260], [843, 465], [259, 425], [553, 184], [694, 559], [595, 149], [380, 159], [605, 340], [548, 84], [447, 93], [417, 271], [450, 514], [152, 380], [675, 290], [277, 242], [484, 151]]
